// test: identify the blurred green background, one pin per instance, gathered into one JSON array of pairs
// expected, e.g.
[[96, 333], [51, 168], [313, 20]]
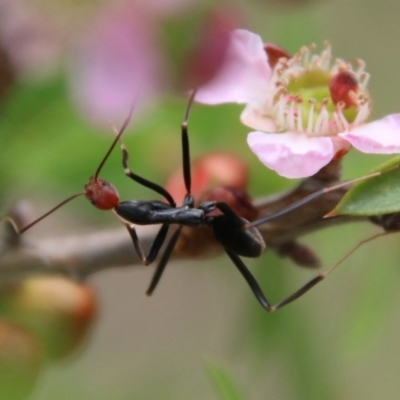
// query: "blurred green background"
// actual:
[[202, 335]]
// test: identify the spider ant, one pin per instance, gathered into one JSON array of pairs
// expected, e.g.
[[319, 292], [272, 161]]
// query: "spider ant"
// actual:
[[236, 235]]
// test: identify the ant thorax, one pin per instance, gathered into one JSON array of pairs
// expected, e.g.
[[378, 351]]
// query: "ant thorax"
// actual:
[[101, 194]]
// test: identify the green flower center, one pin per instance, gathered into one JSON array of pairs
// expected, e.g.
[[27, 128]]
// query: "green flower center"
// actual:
[[312, 96]]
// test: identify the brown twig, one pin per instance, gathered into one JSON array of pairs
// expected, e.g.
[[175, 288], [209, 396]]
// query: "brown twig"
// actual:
[[79, 256]]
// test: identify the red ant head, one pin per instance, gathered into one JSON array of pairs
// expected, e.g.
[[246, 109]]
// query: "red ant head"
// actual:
[[101, 194]]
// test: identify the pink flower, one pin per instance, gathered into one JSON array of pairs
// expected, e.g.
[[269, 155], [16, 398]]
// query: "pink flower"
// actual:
[[33, 40], [307, 109], [124, 57], [119, 63], [115, 51]]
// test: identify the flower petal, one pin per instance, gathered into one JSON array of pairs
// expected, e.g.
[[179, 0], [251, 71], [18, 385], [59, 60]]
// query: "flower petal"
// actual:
[[291, 155], [254, 118], [340, 147], [119, 61], [243, 75], [381, 136]]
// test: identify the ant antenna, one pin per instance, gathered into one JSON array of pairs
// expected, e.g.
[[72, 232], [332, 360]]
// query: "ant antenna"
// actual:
[[21, 231], [119, 134], [113, 144]]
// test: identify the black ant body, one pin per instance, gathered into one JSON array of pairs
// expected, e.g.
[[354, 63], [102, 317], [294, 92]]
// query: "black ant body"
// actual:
[[237, 236]]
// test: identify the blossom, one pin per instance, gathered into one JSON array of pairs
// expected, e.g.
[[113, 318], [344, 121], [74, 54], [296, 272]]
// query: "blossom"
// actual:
[[31, 38], [307, 109], [112, 52], [118, 63], [123, 58]]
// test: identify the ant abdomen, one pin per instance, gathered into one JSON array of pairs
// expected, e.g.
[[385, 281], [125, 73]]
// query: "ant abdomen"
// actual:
[[237, 236]]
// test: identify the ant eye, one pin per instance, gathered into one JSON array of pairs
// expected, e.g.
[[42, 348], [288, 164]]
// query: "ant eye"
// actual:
[[92, 201], [106, 184]]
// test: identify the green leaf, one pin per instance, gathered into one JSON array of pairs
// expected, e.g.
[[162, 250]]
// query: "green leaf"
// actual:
[[224, 384], [374, 196]]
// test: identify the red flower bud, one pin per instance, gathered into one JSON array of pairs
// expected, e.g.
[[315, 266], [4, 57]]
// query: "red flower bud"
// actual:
[[275, 53], [344, 87], [55, 310], [21, 361]]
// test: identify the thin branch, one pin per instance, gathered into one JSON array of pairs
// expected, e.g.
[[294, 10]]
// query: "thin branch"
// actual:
[[79, 256]]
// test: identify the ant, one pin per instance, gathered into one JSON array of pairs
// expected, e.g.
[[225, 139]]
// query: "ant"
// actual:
[[236, 235]]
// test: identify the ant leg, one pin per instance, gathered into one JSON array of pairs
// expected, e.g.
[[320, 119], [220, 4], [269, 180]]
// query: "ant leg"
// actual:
[[142, 181], [188, 201], [155, 247], [185, 148], [310, 284], [125, 156], [163, 262], [185, 157], [254, 286], [315, 195], [226, 210], [12, 223]]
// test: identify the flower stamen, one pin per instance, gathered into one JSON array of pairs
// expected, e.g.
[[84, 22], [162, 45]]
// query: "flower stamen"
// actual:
[[311, 115], [323, 117], [299, 114], [305, 91]]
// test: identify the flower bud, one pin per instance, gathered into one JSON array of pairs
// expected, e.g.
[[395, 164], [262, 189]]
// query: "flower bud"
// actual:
[[208, 54], [21, 360], [210, 170], [56, 310], [343, 88], [218, 177]]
